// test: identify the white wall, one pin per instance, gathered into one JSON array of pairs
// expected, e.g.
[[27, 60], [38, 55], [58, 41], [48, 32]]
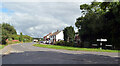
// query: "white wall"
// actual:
[[48, 36], [60, 36]]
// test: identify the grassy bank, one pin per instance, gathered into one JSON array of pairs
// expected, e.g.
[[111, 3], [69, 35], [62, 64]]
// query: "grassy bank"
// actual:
[[2, 46], [73, 48]]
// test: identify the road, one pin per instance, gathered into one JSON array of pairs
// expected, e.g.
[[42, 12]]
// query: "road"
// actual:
[[27, 54]]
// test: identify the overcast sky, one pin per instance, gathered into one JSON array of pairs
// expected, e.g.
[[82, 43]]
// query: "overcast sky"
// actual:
[[40, 18]]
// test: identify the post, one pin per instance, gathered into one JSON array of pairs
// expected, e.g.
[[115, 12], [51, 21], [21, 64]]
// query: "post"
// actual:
[[100, 45], [101, 40]]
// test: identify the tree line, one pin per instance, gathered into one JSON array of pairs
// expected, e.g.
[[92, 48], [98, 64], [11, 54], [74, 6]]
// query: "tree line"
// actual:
[[98, 20], [8, 31]]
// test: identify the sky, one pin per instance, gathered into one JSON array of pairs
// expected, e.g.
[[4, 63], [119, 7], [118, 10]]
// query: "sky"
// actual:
[[37, 19]]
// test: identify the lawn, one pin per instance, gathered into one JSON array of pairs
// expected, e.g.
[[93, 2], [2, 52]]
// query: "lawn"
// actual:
[[74, 48]]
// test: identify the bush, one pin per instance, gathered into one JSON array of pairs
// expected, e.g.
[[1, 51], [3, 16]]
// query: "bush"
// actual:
[[64, 43], [10, 39], [57, 43], [67, 43], [86, 44]]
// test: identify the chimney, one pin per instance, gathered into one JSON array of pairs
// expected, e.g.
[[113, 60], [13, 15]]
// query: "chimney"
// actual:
[[57, 30]]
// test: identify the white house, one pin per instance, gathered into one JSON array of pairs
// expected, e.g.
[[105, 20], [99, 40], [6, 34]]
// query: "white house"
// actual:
[[47, 37], [57, 36]]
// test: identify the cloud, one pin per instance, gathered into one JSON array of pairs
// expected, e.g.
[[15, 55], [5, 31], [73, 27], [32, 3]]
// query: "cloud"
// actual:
[[39, 18], [50, 0]]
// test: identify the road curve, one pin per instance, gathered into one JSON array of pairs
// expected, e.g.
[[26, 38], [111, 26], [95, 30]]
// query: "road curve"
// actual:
[[27, 54]]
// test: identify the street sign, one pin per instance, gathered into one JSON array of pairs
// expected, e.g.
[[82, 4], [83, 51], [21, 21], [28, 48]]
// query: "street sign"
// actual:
[[109, 45], [101, 39], [94, 45]]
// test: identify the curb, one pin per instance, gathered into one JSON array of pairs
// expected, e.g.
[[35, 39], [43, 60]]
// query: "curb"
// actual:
[[6, 50]]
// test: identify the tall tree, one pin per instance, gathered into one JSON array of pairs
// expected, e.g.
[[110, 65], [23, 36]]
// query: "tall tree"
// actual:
[[69, 34], [100, 20], [10, 29], [21, 37], [7, 30]]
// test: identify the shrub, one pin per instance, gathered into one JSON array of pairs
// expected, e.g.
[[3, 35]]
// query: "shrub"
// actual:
[[57, 43], [62, 42], [67, 43]]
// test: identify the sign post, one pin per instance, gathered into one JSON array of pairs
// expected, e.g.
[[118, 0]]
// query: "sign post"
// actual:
[[101, 40]]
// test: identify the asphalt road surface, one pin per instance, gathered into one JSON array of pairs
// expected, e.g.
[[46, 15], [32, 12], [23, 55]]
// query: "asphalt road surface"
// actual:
[[28, 54]]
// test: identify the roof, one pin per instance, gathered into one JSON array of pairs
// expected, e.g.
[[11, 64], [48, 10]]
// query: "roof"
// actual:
[[55, 33], [48, 34]]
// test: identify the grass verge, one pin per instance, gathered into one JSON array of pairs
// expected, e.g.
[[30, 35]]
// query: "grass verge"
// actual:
[[74, 48], [2, 46]]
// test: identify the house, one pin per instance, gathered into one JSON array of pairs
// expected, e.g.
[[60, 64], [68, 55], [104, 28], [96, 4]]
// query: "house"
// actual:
[[47, 37], [77, 39], [57, 36]]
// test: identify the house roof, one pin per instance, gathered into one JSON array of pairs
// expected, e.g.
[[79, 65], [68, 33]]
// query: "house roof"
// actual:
[[47, 35], [55, 33]]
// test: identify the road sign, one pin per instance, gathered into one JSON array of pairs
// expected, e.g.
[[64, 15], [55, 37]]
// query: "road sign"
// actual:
[[101, 39]]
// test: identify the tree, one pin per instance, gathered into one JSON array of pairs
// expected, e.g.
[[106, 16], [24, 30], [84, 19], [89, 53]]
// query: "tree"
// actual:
[[7, 30], [10, 29], [0, 34], [69, 34], [21, 37], [100, 20]]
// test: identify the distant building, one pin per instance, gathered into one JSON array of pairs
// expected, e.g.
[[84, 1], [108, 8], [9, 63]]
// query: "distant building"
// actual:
[[57, 36], [47, 37], [77, 39]]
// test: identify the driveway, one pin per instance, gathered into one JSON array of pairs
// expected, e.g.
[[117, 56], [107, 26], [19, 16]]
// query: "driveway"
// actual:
[[27, 54]]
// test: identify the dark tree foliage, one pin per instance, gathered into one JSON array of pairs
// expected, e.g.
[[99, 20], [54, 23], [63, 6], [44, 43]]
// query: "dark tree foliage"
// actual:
[[10, 29], [21, 37], [100, 20], [69, 34], [7, 30]]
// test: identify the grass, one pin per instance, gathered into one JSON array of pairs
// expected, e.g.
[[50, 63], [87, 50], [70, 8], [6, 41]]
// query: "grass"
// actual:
[[74, 48], [2, 46]]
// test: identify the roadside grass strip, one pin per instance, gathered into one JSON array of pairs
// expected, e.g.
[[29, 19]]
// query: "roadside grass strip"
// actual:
[[74, 48], [2, 46]]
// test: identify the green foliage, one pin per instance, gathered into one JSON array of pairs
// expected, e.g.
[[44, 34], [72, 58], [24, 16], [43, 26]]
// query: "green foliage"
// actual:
[[60, 43], [74, 48], [21, 37], [69, 34], [100, 20], [64, 43], [7, 30], [0, 34], [27, 38]]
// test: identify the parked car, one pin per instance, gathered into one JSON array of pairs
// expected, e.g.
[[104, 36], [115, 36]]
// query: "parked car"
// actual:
[[44, 42], [41, 41], [47, 42]]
